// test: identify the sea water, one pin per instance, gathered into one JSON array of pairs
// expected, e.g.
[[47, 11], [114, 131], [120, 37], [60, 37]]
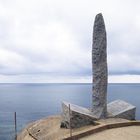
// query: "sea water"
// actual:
[[34, 101]]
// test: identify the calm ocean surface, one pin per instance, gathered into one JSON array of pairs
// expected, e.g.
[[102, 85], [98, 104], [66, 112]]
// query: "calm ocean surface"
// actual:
[[34, 101]]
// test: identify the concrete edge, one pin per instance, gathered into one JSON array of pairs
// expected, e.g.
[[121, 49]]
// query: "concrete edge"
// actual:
[[103, 127]]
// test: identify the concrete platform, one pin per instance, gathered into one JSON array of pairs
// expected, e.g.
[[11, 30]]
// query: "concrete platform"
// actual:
[[49, 129], [123, 133]]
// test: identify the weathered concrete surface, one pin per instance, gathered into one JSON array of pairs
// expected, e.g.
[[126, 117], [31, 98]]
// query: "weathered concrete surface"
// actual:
[[123, 133], [121, 109], [80, 116], [99, 68], [49, 129]]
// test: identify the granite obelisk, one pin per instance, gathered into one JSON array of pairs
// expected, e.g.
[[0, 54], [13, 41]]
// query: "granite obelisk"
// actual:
[[99, 68], [74, 116]]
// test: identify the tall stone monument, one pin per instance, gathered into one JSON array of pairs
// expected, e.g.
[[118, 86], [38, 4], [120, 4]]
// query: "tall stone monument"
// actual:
[[99, 68], [75, 116]]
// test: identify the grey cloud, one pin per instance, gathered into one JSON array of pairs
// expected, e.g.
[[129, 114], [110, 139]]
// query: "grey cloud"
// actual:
[[51, 37]]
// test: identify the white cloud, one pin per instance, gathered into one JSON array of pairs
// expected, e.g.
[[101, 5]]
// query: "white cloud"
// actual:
[[11, 62], [38, 78], [54, 37], [124, 78]]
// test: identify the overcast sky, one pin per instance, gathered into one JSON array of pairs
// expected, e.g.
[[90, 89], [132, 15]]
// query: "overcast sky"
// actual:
[[51, 40]]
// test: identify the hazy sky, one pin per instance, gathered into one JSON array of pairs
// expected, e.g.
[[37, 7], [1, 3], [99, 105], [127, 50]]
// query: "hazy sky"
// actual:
[[50, 40]]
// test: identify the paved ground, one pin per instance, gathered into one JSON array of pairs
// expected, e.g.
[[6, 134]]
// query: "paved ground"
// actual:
[[123, 133], [49, 129]]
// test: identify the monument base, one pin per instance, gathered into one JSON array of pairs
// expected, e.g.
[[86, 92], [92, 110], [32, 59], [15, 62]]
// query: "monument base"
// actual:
[[77, 116], [121, 109]]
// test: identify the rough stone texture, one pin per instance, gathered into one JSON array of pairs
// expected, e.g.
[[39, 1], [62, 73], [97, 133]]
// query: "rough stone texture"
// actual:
[[79, 116], [121, 109], [99, 68]]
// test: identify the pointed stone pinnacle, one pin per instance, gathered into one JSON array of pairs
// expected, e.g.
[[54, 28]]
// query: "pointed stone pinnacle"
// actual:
[[99, 68]]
